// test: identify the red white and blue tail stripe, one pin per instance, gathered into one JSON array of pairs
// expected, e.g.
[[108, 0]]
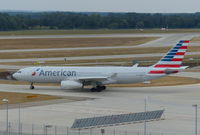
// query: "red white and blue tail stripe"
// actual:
[[172, 60]]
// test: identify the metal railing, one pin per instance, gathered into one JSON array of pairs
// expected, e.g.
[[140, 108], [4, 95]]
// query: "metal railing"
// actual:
[[35, 129]]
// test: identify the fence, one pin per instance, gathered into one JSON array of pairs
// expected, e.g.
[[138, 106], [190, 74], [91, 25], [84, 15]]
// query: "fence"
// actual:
[[34, 129]]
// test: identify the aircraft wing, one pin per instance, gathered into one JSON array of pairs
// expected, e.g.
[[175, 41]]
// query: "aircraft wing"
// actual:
[[175, 70], [93, 78], [100, 78]]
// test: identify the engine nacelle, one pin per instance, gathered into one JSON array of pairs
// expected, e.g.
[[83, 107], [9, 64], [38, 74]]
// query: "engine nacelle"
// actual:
[[70, 84]]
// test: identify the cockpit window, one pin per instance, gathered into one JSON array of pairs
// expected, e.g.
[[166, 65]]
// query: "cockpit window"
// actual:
[[19, 72], [38, 69]]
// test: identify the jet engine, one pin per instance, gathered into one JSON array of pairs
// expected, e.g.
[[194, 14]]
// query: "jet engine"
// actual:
[[71, 84]]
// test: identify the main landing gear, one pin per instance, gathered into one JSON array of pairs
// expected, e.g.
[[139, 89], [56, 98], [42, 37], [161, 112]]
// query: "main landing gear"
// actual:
[[98, 89], [32, 86]]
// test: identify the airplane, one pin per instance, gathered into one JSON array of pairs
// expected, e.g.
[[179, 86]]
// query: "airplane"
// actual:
[[99, 77]]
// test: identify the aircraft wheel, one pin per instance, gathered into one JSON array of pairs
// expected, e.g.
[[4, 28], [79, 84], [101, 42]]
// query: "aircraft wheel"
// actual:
[[93, 89], [32, 87], [99, 88], [103, 87]]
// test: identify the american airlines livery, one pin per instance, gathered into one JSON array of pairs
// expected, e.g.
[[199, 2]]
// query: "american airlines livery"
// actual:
[[98, 77]]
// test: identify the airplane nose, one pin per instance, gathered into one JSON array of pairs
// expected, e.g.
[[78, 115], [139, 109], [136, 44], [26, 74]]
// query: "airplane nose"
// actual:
[[15, 76]]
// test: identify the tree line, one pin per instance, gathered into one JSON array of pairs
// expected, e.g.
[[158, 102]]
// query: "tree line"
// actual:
[[70, 20]]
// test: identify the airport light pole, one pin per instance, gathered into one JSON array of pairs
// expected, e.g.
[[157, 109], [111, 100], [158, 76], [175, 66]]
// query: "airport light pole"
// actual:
[[19, 113], [196, 106], [145, 110], [46, 128], [6, 101]]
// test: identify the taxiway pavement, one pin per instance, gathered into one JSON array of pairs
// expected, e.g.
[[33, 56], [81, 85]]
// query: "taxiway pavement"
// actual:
[[176, 100]]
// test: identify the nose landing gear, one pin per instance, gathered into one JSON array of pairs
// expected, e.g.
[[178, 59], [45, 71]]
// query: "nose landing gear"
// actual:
[[32, 86]]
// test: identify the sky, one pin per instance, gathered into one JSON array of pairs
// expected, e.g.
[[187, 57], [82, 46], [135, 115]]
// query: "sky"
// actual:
[[141, 6]]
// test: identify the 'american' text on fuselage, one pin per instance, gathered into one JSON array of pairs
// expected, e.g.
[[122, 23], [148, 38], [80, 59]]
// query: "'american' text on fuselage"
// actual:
[[57, 73]]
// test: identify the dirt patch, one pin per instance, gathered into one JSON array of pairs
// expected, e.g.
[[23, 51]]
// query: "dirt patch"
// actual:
[[15, 98], [71, 42]]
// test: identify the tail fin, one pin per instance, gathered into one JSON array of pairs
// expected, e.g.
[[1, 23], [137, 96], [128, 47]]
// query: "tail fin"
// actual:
[[174, 58]]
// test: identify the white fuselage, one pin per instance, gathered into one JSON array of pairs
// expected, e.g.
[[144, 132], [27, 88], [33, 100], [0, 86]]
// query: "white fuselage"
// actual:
[[115, 75]]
